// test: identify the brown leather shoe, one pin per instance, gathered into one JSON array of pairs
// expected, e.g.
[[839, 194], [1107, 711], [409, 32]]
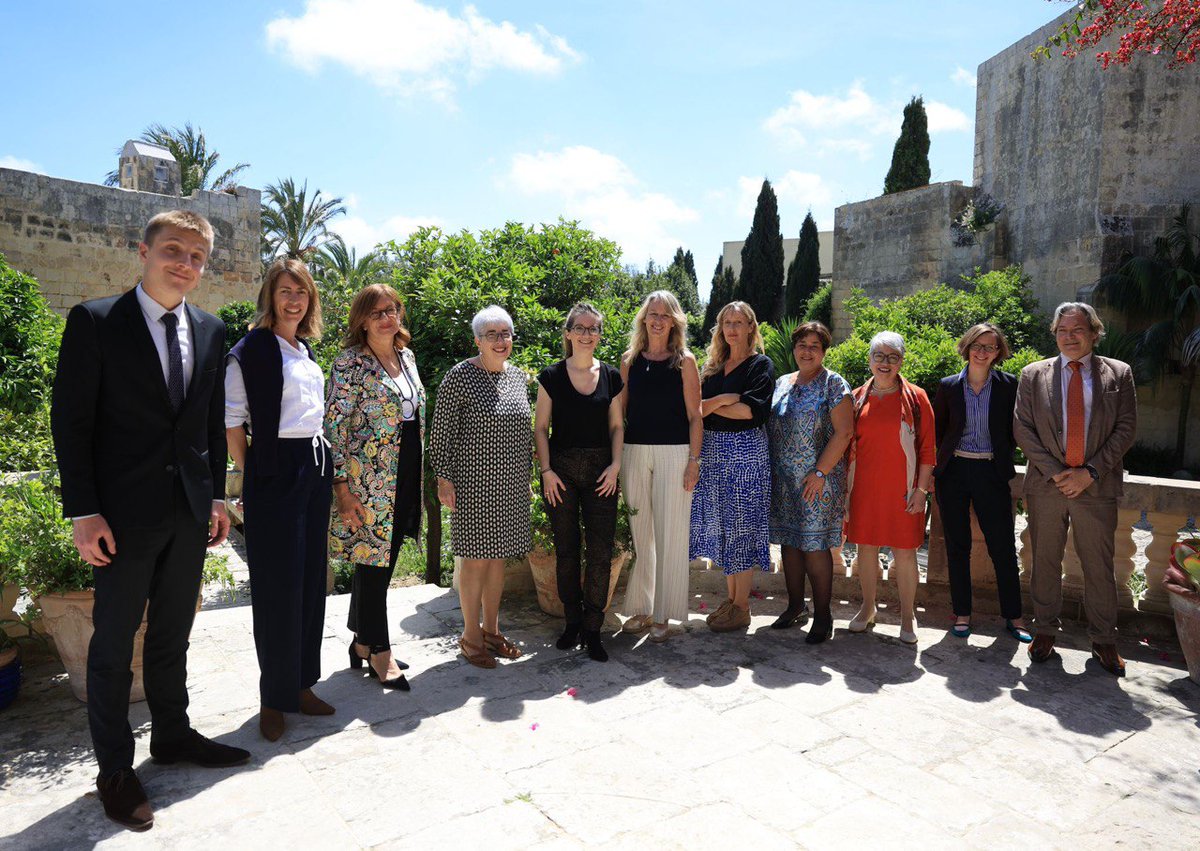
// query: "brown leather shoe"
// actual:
[[1042, 647], [1109, 659], [270, 723], [125, 800], [310, 704], [736, 618], [199, 750]]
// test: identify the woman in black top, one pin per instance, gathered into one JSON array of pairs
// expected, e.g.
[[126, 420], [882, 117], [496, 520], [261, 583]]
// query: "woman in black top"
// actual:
[[731, 509], [578, 430]]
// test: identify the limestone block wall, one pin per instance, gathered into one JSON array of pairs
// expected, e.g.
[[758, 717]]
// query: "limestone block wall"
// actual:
[[80, 239], [1089, 162], [897, 244]]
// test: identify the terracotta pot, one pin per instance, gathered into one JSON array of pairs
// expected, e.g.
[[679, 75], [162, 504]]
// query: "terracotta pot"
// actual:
[[543, 565], [1186, 606], [68, 619]]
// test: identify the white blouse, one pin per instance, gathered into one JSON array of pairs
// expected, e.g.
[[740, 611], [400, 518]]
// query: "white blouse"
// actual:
[[302, 408]]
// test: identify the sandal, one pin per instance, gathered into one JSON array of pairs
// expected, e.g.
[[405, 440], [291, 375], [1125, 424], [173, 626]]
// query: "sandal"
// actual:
[[496, 643], [475, 654]]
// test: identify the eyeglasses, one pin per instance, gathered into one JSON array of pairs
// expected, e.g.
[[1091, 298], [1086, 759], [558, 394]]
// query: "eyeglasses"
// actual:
[[814, 347], [880, 357], [586, 330], [390, 313], [497, 336], [982, 347]]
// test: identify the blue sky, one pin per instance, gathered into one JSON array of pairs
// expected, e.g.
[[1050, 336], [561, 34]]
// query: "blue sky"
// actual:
[[651, 122]]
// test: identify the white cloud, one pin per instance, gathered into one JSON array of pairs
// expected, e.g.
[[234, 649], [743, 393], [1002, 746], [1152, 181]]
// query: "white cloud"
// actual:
[[8, 161], [944, 118], [605, 195], [963, 77], [363, 236], [797, 193], [411, 48], [822, 121]]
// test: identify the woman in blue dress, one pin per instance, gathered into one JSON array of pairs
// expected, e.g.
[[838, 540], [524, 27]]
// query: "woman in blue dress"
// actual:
[[811, 424]]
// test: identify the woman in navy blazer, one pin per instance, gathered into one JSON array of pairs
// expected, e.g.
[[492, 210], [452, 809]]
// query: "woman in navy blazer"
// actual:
[[973, 414]]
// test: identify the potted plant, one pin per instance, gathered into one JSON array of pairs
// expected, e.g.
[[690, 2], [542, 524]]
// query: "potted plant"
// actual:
[[1182, 579], [13, 633]]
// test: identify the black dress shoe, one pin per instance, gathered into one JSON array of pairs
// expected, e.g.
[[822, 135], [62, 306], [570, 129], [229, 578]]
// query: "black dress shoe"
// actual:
[[125, 800], [198, 750]]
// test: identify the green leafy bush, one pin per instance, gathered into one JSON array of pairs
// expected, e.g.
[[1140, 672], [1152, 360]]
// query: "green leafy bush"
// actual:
[[25, 442], [819, 307], [237, 316], [29, 336], [38, 539]]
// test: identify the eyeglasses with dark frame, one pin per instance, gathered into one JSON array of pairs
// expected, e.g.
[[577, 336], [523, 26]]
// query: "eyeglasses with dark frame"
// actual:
[[389, 312], [880, 357], [497, 336], [983, 347], [586, 330]]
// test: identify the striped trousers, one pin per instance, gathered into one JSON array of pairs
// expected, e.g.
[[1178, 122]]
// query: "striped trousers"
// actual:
[[652, 477]]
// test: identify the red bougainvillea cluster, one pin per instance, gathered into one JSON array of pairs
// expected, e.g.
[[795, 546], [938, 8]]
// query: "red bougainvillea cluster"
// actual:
[[1170, 27]]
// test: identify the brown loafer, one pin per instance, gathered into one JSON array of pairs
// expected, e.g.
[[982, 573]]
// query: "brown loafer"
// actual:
[[736, 618], [1042, 647], [125, 800], [1109, 659], [310, 704]]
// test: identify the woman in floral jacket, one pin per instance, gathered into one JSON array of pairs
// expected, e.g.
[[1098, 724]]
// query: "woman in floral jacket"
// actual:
[[375, 423]]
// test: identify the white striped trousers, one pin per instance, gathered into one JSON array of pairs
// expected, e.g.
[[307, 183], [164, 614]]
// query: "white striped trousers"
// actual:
[[652, 476]]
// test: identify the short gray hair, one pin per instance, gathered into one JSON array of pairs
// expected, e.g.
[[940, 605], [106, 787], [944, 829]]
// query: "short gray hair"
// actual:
[[491, 314], [1089, 313], [887, 338]]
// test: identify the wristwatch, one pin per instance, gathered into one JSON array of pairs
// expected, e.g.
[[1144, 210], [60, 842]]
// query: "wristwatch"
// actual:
[[695, 458], [1092, 472], [820, 475]]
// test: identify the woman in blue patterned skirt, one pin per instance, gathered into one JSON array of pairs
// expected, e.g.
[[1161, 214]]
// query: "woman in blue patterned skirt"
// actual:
[[729, 510], [812, 423]]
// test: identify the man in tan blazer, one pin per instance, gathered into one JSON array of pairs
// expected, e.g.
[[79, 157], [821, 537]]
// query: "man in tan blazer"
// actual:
[[1076, 416]]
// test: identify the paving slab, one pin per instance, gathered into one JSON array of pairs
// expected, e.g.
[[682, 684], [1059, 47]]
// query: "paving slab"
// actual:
[[754, 738]]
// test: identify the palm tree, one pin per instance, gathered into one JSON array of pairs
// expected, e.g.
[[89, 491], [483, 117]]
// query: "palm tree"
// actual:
[[1163, 289], [338, 265], [197, 167], [294, 225]]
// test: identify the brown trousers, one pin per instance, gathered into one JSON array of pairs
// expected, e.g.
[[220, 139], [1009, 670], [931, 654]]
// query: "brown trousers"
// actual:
[[1093, 522]]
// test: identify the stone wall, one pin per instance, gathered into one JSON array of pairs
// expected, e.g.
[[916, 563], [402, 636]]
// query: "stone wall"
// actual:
[[897, 244], [80, 239], [1090, 163]]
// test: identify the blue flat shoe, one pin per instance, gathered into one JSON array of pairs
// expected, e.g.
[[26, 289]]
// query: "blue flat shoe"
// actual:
[[1020, 633], [961, 630]]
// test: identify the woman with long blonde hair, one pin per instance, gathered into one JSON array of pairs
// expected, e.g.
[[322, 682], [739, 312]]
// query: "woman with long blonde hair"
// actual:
[[730, 512], [660, 461]]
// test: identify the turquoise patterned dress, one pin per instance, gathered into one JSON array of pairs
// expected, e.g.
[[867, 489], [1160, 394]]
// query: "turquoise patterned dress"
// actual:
[[799, 427]]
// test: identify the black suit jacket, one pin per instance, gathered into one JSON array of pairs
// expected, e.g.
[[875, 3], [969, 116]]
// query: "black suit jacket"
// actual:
[[119, 444], [950, 417]]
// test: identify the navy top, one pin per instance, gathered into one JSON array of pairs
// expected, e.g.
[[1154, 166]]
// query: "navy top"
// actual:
[[578, 421], [655, 412], [262, 372], [754, 381]]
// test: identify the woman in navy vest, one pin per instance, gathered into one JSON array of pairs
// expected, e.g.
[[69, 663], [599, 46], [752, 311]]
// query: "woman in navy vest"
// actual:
[[275, 393]]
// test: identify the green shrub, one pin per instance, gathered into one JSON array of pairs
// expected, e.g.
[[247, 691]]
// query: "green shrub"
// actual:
[[237, 316], [38, 539], [819, 307], [29, 336], [25, 442]]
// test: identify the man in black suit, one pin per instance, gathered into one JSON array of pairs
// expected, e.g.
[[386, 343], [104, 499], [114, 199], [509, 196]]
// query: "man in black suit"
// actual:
[[138, 423]]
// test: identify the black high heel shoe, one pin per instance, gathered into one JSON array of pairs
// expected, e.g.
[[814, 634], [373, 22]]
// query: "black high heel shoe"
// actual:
[[399, 682], [821, 630], [356, 661], [570, 639], [786, 620]]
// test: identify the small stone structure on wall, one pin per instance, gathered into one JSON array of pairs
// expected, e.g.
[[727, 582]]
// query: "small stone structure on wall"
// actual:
[[80, 240]]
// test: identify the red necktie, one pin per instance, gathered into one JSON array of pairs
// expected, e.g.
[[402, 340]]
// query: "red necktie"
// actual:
[[1075, 415]]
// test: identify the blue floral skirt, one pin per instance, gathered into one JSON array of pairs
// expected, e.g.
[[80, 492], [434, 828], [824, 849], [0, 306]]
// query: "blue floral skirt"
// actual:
[[732, 503]]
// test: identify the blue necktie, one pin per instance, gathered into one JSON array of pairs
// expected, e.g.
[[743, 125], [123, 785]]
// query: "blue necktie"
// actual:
[[174, 362]]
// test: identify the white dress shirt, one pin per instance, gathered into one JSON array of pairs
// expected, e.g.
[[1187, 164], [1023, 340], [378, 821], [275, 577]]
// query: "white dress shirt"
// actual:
[[154, 312], [302, 407], [1086, 373]]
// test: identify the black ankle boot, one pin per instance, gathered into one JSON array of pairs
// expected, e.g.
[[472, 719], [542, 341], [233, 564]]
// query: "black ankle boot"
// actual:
[[570, 637], [595, 649], [821, 630]]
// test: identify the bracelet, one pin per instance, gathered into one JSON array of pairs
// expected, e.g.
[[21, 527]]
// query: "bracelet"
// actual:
[[694, 459], [922, 490]]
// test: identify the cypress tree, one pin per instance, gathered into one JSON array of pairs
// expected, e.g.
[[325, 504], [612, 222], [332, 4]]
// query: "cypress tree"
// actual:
[[718, 296], [761, 281], [804, 273], [683, 284], [910, 157], [689, 265]]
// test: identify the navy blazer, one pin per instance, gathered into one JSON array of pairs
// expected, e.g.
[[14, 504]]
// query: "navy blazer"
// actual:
[[120, 445], [950, 418]]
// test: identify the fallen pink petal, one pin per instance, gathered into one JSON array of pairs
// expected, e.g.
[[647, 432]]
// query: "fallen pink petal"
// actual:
[[703, 606], [571, 692], [534, 725]]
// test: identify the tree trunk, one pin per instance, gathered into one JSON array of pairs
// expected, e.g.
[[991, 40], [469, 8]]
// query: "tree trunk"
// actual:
[[1187, 376]]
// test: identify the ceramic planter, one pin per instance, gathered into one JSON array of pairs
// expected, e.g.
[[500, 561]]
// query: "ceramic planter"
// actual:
[[68, 619], [543, 566], [1187, 627]]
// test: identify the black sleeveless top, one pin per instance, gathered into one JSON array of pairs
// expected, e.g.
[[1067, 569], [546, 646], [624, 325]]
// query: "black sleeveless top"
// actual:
[[578, 421], [655, 413]]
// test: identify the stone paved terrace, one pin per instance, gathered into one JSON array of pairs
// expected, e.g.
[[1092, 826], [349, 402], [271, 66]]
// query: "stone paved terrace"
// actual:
[[757, 740]]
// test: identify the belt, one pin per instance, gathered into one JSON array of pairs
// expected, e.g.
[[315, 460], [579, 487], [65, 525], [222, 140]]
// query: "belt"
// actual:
[[974, 456]]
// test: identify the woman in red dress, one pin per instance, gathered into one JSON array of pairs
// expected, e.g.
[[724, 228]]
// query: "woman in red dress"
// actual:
[[891, 464]]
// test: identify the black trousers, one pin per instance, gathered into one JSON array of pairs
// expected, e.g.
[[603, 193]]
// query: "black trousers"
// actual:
[[159, 566], [968, 482], [368, 589], [287, 548], [579, 469]]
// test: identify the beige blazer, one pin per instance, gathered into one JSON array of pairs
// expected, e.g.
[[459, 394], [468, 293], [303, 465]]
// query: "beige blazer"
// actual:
[[1040, 432]]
